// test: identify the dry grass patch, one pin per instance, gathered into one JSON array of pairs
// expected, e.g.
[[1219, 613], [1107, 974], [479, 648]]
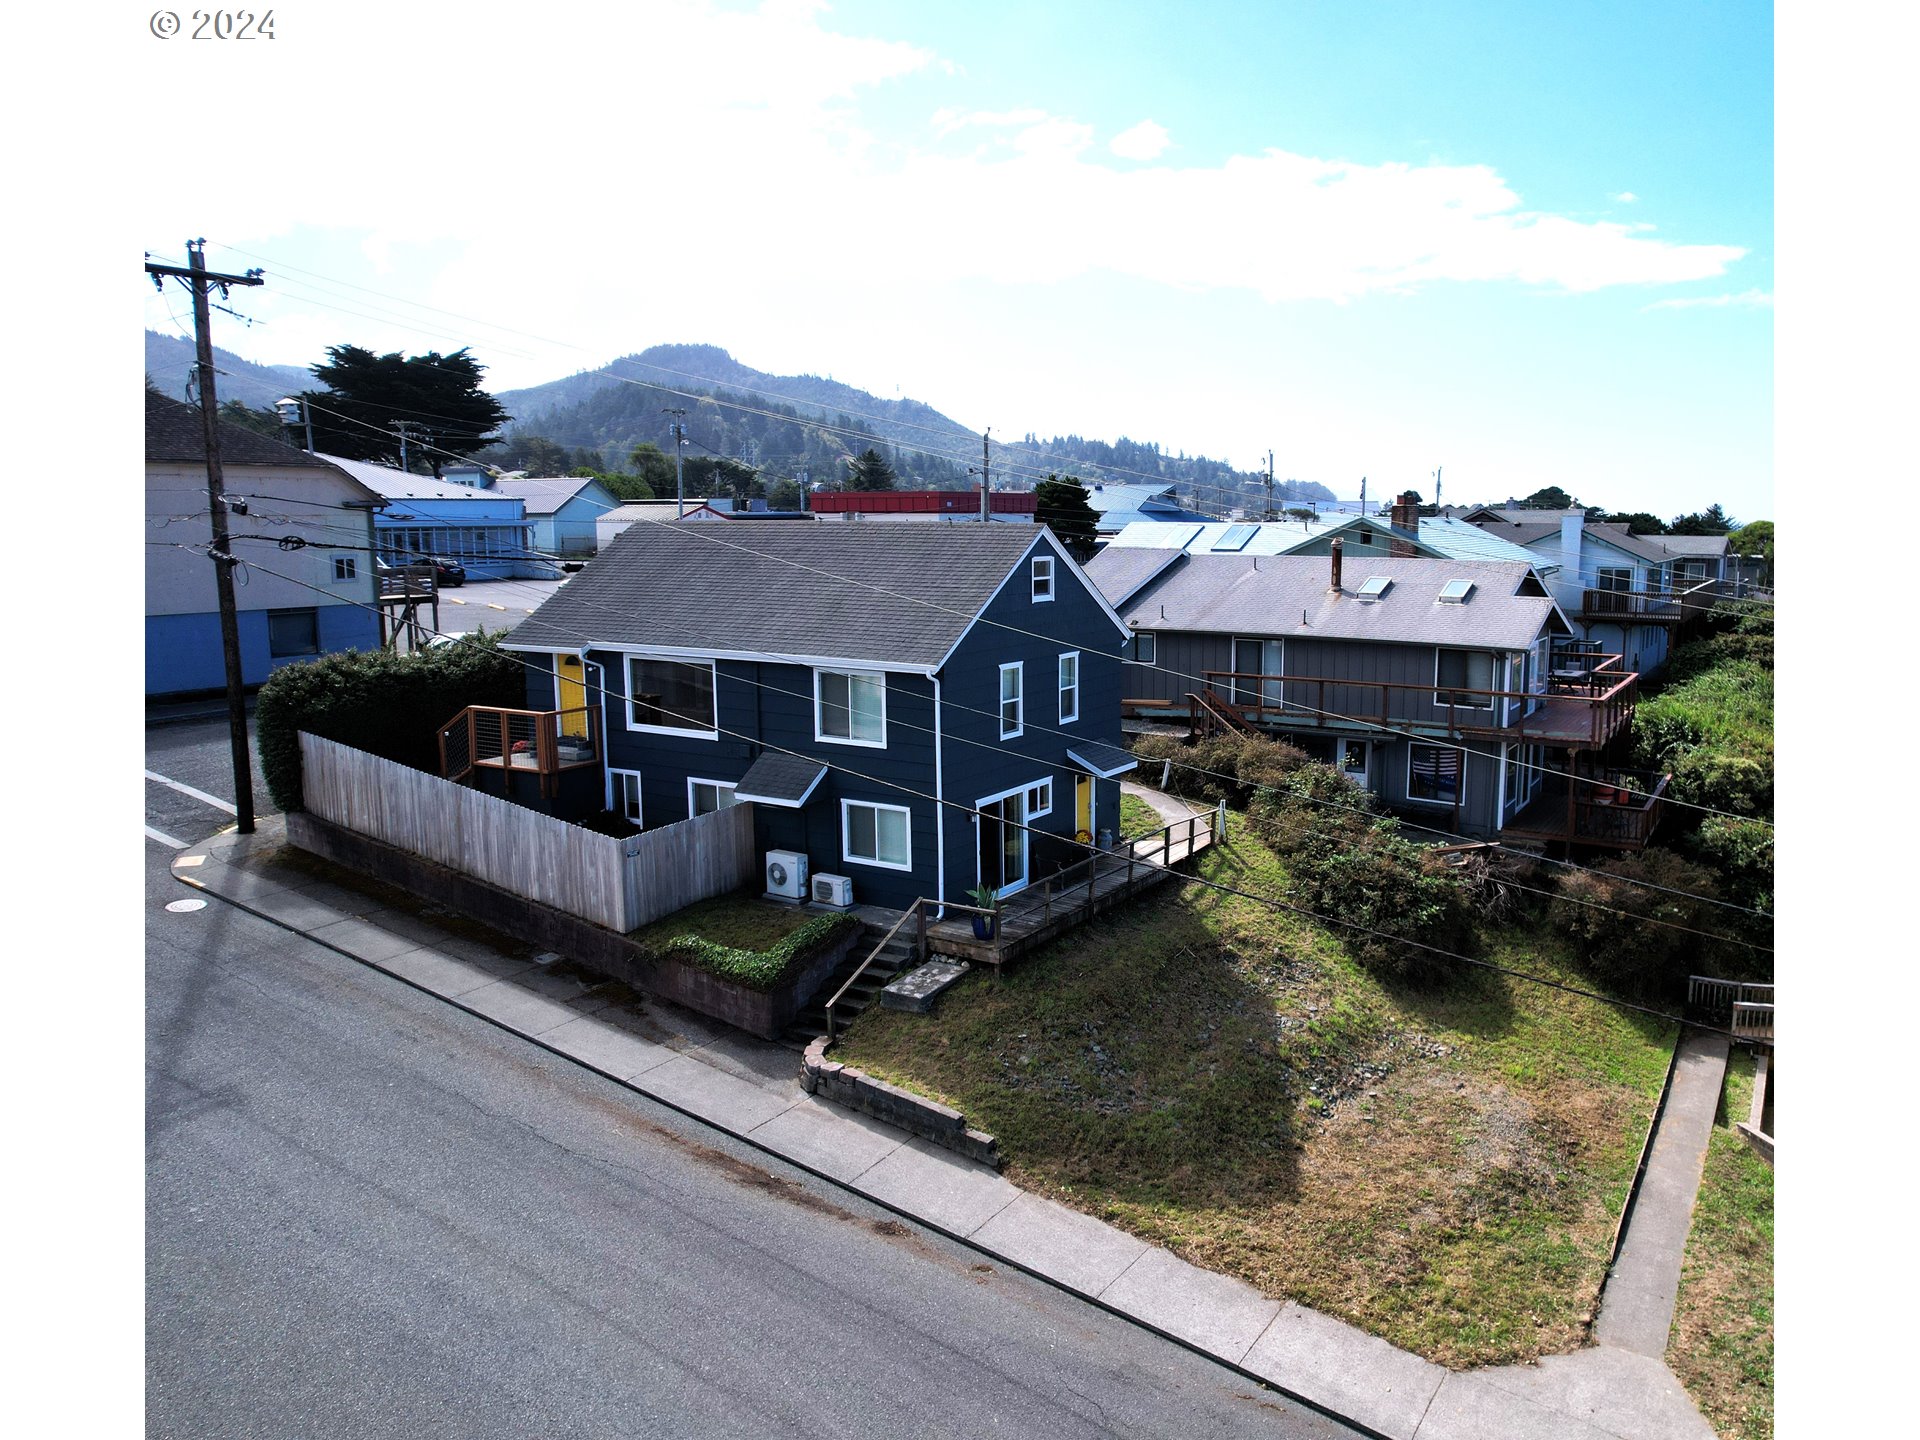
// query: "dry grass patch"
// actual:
[[1442, 1169]]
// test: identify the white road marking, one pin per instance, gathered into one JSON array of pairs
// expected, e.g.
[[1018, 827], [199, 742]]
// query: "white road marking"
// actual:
[[165, 839], [201, 795]]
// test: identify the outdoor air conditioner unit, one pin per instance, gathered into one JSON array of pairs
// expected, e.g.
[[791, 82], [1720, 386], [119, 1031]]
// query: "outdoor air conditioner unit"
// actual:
[[787, 874], [833, 890]]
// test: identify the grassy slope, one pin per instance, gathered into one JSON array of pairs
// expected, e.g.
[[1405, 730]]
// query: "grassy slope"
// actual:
[[740, 919], [1219, 1078], [1722, 1342]]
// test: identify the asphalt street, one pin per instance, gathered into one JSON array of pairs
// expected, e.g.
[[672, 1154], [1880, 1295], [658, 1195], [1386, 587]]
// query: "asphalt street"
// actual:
[[370, 1214]]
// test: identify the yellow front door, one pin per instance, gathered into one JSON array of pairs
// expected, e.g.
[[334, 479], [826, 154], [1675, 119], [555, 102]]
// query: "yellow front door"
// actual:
[[570, 691], [1083, 806]]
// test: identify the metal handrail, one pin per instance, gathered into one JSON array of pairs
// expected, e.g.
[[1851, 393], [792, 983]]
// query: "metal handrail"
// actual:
[[920, 945]]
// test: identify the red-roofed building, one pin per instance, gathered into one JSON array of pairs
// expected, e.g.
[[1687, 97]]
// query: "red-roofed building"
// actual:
[[1008, 505]]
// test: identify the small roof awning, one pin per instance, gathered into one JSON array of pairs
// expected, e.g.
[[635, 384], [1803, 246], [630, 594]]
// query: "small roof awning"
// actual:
[[1101, 759], [783, 780]]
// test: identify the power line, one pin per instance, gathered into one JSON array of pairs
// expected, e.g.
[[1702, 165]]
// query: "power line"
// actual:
[[1149, 866]]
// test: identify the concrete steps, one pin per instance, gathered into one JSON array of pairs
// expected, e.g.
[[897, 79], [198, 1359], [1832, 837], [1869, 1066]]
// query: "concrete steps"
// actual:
[[811, 1022]]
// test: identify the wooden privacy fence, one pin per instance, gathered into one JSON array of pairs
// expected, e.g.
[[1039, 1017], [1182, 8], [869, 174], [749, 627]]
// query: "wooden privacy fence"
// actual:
[[621, 884]]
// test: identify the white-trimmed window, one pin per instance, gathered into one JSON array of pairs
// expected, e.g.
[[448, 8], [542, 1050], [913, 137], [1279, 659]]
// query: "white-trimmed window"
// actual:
[[623, 795], [1141, 648], [1040, 799], [345, 569], [1012, 712], [850, 707], [1470, 671], [1434, 774], [706, 796], [1042, 578], [1069, 687], [873, 834], [672, 697]]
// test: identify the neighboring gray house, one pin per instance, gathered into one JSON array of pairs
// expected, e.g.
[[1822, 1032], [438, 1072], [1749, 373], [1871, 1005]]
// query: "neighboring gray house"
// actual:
[[1402, 531], [1443, 686], [1118, 506], [1628, 593]]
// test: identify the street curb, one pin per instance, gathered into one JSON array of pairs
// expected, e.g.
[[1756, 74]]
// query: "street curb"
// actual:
[[1304, 1401]]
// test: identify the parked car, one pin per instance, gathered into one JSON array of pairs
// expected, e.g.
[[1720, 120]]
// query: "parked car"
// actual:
[[446, 572]]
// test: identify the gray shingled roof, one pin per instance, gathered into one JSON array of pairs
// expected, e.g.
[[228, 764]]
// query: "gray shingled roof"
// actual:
[[1119, 570], [782, 780], [1281, 595], [896, 595], [176, 432], [1695, 545]]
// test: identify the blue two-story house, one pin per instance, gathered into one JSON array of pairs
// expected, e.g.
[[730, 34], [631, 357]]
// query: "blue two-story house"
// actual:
[[920, 709]]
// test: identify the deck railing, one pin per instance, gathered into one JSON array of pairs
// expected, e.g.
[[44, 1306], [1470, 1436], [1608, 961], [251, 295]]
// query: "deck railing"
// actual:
[[544, 742], [1752, 1020], [1715, 999], [1637, 605], [1607, 695]]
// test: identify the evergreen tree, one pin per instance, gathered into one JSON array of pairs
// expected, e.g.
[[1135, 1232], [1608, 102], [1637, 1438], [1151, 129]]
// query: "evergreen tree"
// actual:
[[1062, 506], [1710, 521], [437, 397], [870, 472]]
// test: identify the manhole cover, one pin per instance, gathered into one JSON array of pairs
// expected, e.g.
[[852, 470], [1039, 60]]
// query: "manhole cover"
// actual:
[[184, 907]]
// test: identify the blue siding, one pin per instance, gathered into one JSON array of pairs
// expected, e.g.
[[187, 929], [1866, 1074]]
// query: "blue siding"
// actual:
[[183, 651], [771, 705]]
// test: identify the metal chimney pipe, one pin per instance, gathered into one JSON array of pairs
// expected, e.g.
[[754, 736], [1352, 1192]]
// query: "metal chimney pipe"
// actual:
[[1334, 586]]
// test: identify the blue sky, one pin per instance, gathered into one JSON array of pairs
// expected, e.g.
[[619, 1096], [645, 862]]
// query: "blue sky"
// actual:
[[1529, 243]]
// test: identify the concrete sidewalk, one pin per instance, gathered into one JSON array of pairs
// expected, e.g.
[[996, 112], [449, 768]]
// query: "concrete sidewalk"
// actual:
[[751, 1089]]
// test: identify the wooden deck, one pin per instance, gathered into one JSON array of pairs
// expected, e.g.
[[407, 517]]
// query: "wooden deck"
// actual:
[[1051, 906]]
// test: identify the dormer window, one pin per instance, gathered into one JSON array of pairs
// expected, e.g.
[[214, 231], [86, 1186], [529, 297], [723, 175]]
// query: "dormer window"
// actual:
[[1042, 578]]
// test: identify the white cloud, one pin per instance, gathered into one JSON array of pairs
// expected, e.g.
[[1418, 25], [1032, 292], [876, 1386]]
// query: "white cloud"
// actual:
[[1744, 300], [1145, 141], [1626, 197]]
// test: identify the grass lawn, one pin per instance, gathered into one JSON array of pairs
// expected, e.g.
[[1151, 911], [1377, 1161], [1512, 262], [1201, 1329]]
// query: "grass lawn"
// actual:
[[1137, 817], [742, 919], [1722, 1341], [1442, 1169]]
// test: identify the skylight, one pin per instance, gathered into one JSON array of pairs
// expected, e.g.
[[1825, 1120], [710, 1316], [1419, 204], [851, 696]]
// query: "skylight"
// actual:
[[1236, 537], [1375, 587], [1455, 592]]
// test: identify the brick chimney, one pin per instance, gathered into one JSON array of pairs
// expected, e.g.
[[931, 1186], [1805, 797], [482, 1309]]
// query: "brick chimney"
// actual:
[[1334, 584], [1406, 526]]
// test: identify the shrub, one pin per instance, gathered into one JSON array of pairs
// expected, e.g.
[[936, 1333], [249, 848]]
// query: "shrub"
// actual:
[[762, 969], [1741, 852], [1738, 784], [1233, 768], [1490, 884], [386, 704], [1625, 933], [1359, 870]]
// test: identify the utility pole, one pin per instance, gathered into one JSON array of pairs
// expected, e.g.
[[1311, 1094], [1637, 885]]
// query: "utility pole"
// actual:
[[679, 449], [1363, 494], [1270, 510], [1436, 486], [199, 280], [986, 475]]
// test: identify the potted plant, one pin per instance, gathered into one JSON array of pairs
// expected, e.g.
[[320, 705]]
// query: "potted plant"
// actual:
[[987, 898]]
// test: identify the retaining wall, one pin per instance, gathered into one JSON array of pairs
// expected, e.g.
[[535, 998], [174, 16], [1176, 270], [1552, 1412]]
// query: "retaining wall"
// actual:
[[926, 1118], [606, 952]]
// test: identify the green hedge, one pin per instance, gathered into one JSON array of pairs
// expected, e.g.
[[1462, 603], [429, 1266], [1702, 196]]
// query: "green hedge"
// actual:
[[761, 969], [386, 704]]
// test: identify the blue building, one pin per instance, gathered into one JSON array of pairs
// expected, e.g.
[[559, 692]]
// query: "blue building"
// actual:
[[424, 518], [561, 512], [294, 604], [920, 708]]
